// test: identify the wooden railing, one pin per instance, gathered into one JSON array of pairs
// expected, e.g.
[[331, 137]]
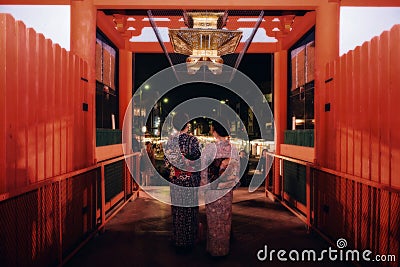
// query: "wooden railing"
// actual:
[[339, 205], [352, 187], [45, 223]]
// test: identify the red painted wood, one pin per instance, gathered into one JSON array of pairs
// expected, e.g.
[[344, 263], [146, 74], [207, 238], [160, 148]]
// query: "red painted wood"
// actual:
[[21, 110], [70, 114], [11, 104], [357, 112], [76, 153], [336, 114], [81, 115], [57, 109], [374, 107], [33, 96], [49, 110], [342, 107], [394, 94], [350, 118], [3, 86], [62, 101], [323, 126], [385, 113], [365, 110], [328, 118], [41, 112]]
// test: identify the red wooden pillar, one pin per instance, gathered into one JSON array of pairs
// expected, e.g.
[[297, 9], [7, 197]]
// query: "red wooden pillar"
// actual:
[[280, 110], [83, 44], [125, 93], [326, 50]]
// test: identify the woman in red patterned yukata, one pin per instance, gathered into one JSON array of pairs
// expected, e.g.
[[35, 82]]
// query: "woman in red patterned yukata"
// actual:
[[220, 175]]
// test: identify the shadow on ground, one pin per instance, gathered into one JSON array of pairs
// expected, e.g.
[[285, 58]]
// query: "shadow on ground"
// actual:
[[139, 235]]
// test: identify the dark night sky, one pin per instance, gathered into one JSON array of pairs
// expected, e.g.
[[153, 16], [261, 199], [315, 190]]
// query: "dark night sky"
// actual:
[[256, 66]]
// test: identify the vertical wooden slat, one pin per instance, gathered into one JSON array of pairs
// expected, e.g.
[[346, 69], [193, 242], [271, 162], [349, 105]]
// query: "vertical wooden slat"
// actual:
[[374, 107], [70, 114], [329, 130], [343, 107], [77, 122], [90, 90], [80, 146], [84, 114], [11, 97], [336, 113], [394, 98], [350, 115], [385, 114], [88, 115], [41, 106], [4, 20], [336, 185], [57, 109], [21, 92], [342, 111], [33, 97], [323, 125], [85, 119], [357, 146], [357, 111], [333, 115], [78, 151], [326, 116], [364, 116], [49, 119], [63, 102]]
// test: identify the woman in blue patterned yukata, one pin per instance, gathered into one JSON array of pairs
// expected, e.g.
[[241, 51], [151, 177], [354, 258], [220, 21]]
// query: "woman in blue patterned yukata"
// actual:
[[181, 152], [220, 175]]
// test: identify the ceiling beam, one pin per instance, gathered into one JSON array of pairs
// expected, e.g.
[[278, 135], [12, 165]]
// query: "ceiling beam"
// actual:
[[108, 28], [370, 3], [209, 4], [300, 27]]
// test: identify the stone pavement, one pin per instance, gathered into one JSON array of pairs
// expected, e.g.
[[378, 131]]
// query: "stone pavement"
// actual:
[[139, 235]]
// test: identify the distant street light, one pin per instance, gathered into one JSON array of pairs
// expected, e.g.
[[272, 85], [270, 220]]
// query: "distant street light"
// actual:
[[221, 103]]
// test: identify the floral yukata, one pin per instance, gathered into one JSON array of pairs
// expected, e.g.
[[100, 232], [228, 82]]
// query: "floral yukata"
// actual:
[[182, 150], [221, 176]]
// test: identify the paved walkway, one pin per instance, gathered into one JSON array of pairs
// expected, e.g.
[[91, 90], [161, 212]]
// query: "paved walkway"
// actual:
[[139, 236]]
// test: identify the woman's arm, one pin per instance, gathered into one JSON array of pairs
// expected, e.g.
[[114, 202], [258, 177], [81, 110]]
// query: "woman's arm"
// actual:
[[194, 149]]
